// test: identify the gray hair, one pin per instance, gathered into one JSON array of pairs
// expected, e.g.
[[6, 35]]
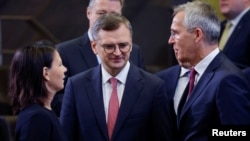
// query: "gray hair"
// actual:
[[202, 15], [109, 22]]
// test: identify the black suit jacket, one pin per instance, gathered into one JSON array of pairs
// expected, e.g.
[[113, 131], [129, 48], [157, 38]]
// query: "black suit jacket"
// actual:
[[143, 113], [221, 97], [77, 56], [237, 48]]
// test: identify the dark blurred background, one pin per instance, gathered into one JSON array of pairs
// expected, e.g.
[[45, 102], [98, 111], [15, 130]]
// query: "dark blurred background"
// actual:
[[61, 20], [23, 21]]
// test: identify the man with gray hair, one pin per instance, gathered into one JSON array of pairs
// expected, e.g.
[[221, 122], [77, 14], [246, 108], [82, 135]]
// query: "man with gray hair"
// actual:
[[208, 90]]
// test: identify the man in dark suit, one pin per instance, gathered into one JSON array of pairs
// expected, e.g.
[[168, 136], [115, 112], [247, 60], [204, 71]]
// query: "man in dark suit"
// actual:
[[77, 55], [143, 112], [221, 94], [237, 46]]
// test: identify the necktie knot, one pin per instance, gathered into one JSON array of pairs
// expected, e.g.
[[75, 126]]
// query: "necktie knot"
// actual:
[[113, 82], [192, 73], [229, 24]]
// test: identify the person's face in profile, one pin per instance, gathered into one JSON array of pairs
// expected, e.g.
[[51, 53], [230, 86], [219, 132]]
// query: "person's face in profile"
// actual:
[[183, 41], [101, 7], [114, 48], [54, 75]]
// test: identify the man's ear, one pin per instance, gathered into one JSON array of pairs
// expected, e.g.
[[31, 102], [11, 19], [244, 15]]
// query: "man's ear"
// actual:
[[198, 34], [94, 47], [46, 73], [88, 12]]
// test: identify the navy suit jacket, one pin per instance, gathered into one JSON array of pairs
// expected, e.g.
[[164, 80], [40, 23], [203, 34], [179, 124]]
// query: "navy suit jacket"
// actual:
[[221, 97], [247, 73], [77, 56], [36, 123], [237, 48], [143, 113]]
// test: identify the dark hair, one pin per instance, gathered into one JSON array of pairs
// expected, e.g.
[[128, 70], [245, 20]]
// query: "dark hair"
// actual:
[[26, 82], [109, 22]]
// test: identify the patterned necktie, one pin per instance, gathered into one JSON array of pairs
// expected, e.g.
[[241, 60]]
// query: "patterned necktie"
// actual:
[[113, 107], [224, 36]]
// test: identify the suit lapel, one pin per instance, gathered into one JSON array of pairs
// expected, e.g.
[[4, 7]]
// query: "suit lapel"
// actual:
[[130, 95], [203, 82], [197, 91], [95, 94], [87, 52], [174, 77], [172, 81]]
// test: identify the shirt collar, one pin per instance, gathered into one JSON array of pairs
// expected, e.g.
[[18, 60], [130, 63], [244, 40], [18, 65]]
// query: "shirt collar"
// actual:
[[90, 35], [203, 64], [122, 76], [184, 72]]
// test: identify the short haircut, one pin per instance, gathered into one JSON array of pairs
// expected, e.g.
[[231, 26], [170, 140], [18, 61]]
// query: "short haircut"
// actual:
[[202, 15], [109, 22]]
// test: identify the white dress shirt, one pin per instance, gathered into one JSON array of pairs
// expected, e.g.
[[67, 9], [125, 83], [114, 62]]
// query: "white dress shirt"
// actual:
[[107, 88], [184, 77]]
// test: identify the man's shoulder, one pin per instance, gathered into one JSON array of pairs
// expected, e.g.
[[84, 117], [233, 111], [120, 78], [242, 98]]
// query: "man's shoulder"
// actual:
[[247, 15], [71, 43], [91, 72], [135, 46], [147, 76], [172, 69], [135, 49]]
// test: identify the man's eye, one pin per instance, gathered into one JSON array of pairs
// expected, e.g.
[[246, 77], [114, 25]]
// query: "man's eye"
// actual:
[[123, 45], [108, 46], [101, 13], [173, 33]]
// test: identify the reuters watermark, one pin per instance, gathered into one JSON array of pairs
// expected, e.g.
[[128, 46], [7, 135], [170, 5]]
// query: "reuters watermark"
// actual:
[[231, 132], [236, 132]]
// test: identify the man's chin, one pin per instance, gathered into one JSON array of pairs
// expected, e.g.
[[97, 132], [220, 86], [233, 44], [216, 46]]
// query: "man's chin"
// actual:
[[185, 64]]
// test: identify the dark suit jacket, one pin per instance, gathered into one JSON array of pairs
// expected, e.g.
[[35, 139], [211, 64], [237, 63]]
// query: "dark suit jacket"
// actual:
[[77, 56], [143, 113], [247, 73], [221, 97], [237, 48], [36, 123]]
